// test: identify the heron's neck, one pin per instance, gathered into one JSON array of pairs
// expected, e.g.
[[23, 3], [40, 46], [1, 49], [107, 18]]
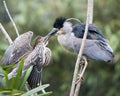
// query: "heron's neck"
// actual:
[[67, 27], [64, 40]]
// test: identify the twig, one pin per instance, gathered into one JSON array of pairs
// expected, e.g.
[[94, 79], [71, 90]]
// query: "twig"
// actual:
[[90, 11], [10, 18], [6, 34], [88, 21]]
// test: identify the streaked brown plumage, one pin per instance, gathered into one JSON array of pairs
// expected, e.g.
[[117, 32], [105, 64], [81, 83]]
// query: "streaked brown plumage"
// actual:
[[43, 56], [18, 48], [39, 57]]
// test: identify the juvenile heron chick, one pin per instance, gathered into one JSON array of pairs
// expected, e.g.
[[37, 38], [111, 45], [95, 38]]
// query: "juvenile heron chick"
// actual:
[[38, 57], [18, 48], [70, 37]]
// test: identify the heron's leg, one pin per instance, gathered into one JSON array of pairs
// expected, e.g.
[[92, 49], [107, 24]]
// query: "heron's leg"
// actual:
[[83, 65], [40, 83], [82, 62]]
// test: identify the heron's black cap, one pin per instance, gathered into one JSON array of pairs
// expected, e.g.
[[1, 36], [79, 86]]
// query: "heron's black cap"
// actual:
[[59, 22]]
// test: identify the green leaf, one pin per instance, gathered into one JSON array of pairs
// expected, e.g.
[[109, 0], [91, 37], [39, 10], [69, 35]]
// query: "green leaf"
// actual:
[[6, 79], [35, 90], [46, 94], [25, 77], [8, 66], [17, 78], [12, 92], [12, 82], [15, 92], [5, 90]]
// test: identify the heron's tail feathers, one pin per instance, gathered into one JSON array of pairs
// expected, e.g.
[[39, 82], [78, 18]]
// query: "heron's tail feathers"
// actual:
[[34, 79]]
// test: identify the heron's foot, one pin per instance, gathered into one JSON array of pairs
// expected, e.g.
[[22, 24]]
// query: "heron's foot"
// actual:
[[79, 78], [82, 62], [83, 65]]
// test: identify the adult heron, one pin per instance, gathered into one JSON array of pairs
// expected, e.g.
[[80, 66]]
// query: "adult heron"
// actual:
[[70, 37]]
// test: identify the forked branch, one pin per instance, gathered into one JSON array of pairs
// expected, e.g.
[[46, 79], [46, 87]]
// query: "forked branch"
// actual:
[[77, 65], [5, 34]]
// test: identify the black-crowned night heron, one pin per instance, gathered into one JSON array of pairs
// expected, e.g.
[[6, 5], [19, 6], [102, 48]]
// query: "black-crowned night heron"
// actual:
[[18, 48], [70, 37]]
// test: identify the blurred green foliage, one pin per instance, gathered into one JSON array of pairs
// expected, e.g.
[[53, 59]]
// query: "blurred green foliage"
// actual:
[[17, 86], [38, 16]]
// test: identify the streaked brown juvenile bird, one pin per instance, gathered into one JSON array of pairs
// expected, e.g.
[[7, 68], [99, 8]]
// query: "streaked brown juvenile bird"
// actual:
[[39, 57], [19, 47]]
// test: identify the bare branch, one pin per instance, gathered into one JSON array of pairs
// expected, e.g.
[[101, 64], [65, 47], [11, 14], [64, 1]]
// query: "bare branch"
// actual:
[[10, 18], [88, 21], [6, 34], [90, 11]]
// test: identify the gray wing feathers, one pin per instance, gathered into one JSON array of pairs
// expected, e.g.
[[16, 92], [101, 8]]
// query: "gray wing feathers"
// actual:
[[95, 49], [7, 55], [18, 48], [99, 51], [19, 53]]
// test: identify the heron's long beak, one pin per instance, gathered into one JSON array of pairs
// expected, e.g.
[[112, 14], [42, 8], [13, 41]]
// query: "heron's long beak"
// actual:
[[50, 34]]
